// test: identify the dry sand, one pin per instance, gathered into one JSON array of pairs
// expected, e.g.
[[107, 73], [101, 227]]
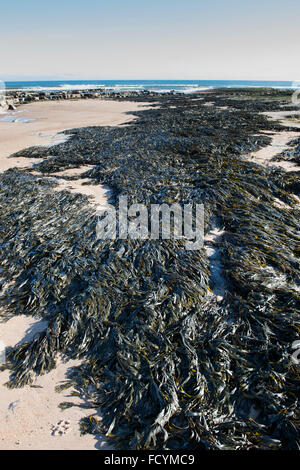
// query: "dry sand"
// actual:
[[30, 417], [286, 118], [279, 143]]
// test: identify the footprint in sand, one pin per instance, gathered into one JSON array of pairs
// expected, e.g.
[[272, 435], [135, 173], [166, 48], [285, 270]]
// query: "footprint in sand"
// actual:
[[61, 428]]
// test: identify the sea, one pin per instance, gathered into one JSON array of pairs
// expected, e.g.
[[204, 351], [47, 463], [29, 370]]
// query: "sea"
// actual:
[[159, 86]]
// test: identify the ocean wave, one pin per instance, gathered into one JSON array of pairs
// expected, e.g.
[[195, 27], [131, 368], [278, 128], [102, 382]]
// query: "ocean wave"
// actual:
[[158, 88], [200, 88], [153, 86]]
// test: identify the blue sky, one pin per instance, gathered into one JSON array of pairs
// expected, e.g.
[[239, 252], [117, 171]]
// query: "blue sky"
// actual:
[[157, 39]]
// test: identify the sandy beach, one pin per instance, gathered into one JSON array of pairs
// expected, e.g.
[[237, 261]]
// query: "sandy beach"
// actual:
[[150, 229], [39, 124], [46, 119], [30, 417]]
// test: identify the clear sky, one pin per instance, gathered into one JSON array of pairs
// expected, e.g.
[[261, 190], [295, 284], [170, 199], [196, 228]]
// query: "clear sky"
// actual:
[[155, 39]]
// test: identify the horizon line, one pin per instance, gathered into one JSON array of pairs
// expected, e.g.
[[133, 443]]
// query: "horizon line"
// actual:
[[41, 79]]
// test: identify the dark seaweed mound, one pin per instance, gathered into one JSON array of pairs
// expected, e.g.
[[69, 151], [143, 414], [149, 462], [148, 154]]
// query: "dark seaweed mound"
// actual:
[[168, 364]]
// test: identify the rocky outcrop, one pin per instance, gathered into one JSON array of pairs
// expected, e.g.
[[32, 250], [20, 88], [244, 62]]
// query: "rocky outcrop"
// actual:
[[14, 98]]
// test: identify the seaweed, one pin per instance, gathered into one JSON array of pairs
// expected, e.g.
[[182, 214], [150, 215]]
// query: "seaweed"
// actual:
[[168, 364]]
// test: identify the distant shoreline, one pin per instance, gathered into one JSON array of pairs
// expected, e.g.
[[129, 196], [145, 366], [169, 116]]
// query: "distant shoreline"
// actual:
[[156, 86]]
